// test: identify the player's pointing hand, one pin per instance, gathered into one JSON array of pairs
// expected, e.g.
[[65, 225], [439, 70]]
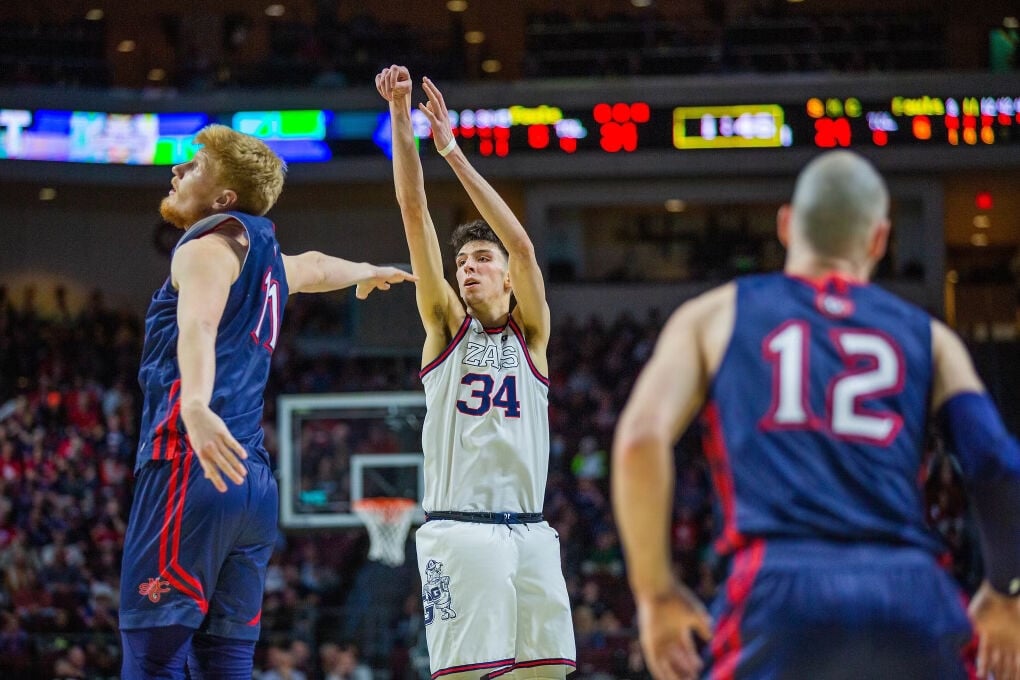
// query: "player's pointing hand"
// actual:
[[384, 277]]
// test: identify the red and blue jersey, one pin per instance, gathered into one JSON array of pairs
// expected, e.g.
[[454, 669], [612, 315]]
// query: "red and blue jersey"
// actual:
[[245, 340], [816, 418]]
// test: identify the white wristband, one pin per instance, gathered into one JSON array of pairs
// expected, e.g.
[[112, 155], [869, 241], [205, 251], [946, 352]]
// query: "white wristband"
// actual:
[[445, 151]]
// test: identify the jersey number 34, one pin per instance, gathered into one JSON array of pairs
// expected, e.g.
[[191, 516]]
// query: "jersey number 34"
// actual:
[[482, 398]]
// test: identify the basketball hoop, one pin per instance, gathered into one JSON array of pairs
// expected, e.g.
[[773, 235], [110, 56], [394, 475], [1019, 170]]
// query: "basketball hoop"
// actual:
[[388, 521]]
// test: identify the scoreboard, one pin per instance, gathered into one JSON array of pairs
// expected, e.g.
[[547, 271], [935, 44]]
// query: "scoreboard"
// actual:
[[967, 119]]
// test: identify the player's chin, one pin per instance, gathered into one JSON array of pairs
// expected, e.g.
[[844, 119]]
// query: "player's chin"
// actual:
[[169, 212]]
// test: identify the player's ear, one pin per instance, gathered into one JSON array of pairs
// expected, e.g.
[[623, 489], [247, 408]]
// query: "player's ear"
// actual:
[[227, 200], [878, 240], [783, 225]]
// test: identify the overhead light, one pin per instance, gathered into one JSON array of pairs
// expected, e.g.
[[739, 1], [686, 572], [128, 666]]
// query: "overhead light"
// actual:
[[675, 205], [156, 74], [456, 5], [492, 65], [126, 46], [474, 37], [979, 240], [47, 194], [641, 3], [275, 10], [982, 221], [94, 14]]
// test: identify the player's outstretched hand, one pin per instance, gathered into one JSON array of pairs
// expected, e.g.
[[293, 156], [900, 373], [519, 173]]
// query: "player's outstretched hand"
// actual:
[[384, 277], [996, 619], [668, 624], [393, 83], [439, 117], [217, 450]]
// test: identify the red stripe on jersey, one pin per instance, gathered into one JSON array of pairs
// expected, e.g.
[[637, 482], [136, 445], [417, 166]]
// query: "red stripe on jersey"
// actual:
[[159, 434], [722, 476], [171, 531], [176, 547], [472, 667], [726, 641]]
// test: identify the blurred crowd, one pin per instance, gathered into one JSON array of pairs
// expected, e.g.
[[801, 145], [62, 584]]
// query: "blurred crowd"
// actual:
[[319, 49], [68, 424]]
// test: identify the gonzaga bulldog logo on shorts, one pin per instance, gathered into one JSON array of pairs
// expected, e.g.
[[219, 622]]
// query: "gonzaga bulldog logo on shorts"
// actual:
[[435, 593]]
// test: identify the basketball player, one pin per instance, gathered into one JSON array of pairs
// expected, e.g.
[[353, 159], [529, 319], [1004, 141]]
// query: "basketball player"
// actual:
[[816, 388], [493, 591], [196, 551]]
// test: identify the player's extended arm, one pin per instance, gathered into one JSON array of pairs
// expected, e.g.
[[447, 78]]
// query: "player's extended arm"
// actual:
[[668, 393], [989, 459], [525, 273], [438, 304], [315, 272], [203, 271]]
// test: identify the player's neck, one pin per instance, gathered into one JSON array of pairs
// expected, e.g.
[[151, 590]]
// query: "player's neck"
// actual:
[[816, 267], [490, 316]]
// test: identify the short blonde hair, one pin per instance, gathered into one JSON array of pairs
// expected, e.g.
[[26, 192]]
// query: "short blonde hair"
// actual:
[[246, 165]]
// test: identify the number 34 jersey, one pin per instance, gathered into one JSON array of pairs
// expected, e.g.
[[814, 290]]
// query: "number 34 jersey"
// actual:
[[815, 424], [245, 339], [486, 430]]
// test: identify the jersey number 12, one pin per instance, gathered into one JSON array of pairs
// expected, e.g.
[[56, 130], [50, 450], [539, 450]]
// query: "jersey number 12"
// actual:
[[873, 369]]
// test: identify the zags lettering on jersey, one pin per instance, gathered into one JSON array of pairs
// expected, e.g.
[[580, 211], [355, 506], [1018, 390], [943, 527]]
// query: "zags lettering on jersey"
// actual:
[[482, 354]]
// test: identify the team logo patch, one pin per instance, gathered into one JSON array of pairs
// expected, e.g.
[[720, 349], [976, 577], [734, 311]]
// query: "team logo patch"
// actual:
[[154, 588], [435, 593], [834, 306]]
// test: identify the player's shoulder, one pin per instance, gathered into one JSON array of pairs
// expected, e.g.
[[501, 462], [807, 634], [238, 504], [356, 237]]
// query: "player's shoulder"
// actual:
[[705, 309]]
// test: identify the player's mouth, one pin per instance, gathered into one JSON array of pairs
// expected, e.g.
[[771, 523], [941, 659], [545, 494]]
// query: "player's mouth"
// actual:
[[469, 283]]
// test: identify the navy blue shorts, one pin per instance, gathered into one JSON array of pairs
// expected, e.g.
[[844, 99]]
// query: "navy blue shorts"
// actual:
[[194, 556], [792, 610]]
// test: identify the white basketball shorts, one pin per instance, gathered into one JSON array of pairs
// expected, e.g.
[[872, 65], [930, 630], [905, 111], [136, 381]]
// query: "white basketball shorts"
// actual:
[[495, 601]]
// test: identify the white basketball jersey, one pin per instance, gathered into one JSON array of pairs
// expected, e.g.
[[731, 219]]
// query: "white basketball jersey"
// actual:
[[486, 431]]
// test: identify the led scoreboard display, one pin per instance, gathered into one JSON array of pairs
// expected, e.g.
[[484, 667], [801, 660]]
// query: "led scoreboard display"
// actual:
[[610, 127]]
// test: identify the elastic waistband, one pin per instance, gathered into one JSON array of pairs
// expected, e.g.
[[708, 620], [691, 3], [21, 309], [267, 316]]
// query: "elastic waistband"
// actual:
[[486, 517], [835, 555]]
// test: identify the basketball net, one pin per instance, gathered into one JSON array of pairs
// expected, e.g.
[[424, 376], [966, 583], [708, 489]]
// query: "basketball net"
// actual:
[[388, 521]]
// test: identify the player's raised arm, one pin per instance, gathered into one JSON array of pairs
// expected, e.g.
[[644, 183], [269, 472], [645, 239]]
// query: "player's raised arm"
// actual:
[[203, 271], [440, 308], [989, 459], [532, 311], [315, 272]]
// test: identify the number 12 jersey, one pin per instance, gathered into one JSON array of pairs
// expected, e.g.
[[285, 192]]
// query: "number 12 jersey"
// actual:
[[816, 417]]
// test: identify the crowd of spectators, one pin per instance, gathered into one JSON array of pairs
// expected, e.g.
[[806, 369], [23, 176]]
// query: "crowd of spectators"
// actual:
[[67, 438], [319, 49]]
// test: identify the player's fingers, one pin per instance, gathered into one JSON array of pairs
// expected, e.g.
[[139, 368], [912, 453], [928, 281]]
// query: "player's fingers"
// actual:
[[434, 93], [232, 467], [683, 657], [658, 669], [213, 475], [235, 447], [219, 459], [982, 657], [703, 626]]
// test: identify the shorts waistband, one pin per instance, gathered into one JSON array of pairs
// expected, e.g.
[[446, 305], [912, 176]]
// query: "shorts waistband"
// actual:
[[797, 553], [486, 517]]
